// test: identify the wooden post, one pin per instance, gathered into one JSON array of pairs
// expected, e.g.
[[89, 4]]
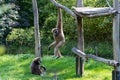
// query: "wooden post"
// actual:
[[36, 25], [79, 3], [116, 72], [79, 60]]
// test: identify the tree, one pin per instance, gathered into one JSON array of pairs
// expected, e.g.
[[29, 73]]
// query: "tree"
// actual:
[[36, 25]]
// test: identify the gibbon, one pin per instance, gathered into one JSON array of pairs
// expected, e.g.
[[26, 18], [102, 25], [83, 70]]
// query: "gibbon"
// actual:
[[36, 68], [58, 35]]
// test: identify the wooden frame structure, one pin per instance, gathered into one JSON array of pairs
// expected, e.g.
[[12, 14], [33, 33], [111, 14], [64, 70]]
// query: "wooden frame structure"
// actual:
[[96, 12], [78, 13]]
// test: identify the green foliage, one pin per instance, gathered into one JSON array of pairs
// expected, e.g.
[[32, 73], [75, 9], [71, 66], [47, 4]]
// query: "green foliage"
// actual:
[[17, 67], [98, 29], [102, 49], [22, 41], [49, 13], [7, 17], [22, 37], [2, 50], [25, 13], [12, 14], [97, 3]]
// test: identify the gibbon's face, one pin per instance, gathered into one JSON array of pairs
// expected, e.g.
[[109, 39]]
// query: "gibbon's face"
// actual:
[[37, 60], [55, 31]]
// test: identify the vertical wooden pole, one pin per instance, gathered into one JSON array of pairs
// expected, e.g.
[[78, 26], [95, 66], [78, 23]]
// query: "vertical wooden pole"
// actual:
[[116, 72], [36, 25], [79, 3], [79, 60]]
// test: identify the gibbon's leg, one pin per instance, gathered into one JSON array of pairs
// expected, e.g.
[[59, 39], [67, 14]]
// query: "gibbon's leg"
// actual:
[[56, 49], [52, 45]]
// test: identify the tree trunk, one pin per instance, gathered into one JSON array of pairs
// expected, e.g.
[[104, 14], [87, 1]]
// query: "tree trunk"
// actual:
[[36, 25]]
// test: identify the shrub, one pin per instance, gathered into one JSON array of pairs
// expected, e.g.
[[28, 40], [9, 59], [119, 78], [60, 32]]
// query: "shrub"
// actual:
[[2, 50], [102, 49], [22, 40]]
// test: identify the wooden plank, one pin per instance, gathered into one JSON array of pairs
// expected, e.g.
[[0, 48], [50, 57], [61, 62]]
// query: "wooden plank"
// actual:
[[84, 56], [93, 12], [90, 10]]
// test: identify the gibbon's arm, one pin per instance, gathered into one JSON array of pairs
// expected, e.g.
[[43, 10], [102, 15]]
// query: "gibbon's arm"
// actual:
[[59, 20]]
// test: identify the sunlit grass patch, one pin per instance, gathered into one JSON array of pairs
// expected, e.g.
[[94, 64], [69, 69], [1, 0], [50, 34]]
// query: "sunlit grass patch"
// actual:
[[17, 67]]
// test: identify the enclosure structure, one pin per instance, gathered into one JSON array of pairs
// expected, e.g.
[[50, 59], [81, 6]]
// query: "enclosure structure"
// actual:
[[89, 12], [79, 13]]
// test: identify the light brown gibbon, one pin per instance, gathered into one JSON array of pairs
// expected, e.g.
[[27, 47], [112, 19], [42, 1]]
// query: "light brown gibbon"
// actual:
[[58, 36]]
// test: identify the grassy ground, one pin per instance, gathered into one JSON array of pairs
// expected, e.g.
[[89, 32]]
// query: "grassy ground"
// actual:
[[17, 67]]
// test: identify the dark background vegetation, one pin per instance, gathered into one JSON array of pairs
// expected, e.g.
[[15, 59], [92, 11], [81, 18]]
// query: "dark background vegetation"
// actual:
[[17, 31]]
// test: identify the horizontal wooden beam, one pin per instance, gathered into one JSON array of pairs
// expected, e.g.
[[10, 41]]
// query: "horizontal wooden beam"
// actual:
[[63, 7], [83, 55], [79, 53], [93, 12], [107, 61]]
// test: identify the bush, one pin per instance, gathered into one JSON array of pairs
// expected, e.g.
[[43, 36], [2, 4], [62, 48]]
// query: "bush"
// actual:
[[22, 40], [102, 49]]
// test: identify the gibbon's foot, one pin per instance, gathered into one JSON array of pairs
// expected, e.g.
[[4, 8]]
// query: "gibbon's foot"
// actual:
[[58, 57], [41, 74], [53, 56], [48, 48]]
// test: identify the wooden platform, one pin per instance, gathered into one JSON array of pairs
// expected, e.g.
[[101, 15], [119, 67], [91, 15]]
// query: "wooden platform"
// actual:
[[93, 12]]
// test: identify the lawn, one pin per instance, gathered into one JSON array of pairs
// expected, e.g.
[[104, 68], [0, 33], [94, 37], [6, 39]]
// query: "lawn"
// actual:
[[17, 67]]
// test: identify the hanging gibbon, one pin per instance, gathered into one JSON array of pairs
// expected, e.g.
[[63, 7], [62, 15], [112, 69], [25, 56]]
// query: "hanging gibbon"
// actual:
[[58, 36]]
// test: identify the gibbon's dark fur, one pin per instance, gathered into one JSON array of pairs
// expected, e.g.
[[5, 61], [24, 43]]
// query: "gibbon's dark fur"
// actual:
[[36, 68]]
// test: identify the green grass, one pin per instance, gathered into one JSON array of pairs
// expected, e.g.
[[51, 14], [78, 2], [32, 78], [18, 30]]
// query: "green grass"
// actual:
[[17, 67]]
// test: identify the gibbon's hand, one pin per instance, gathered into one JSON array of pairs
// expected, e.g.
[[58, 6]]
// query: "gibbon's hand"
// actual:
[[43, 67], [48, 48]]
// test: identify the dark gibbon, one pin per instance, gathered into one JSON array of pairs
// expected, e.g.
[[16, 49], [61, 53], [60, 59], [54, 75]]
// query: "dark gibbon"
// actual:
[[36, 68], [58, 36]]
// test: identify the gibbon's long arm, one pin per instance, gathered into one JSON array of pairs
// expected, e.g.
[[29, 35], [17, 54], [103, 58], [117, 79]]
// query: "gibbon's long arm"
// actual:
[[59, 20]]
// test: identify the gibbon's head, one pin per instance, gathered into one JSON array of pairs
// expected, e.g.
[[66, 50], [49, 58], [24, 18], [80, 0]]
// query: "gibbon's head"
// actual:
[[37, 60], [55, 31]]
